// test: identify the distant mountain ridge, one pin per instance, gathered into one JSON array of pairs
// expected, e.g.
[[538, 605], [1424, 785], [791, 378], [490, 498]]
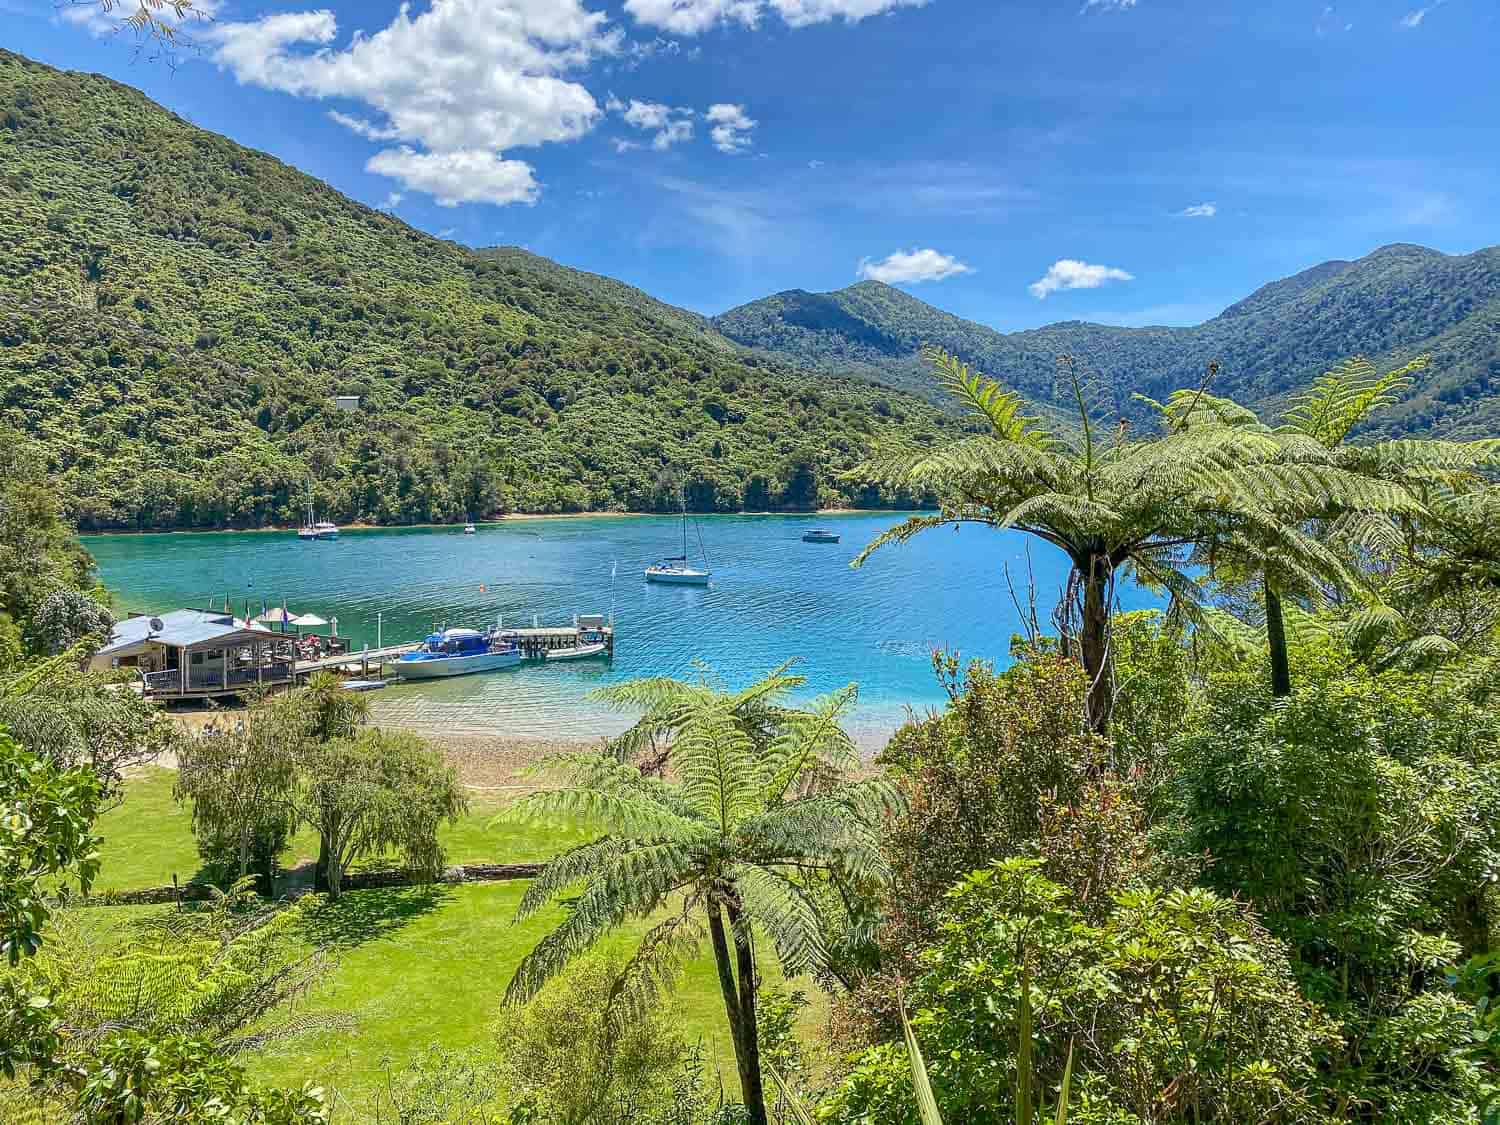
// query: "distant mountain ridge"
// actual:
[[1396, 302]]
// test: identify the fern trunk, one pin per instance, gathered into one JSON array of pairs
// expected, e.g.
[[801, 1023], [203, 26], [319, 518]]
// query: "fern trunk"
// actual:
[[1281, 666], [739, 1006], [1094, 646]]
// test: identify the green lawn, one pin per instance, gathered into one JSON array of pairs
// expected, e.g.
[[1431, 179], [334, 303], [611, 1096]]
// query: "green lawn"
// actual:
[[421, 966], [415, 965]]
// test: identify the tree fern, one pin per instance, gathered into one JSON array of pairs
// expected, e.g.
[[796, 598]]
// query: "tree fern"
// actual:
[[741, 833], [1108, 496]]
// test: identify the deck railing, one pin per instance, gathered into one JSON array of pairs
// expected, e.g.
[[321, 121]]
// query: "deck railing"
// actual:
[[211, 678]]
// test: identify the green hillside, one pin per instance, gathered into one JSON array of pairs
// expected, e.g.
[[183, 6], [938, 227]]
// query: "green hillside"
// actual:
[[1397, 302], [176, 313]]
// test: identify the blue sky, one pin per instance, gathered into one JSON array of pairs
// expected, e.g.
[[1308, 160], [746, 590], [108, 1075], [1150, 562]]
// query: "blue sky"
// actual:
[[1131, 161]]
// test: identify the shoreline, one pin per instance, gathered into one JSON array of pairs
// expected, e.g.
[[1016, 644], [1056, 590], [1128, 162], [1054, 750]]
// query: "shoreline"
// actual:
[[509, 517]]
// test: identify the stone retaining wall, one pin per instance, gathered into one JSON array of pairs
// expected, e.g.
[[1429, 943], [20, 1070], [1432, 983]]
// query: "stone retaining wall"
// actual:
[[196, 892]]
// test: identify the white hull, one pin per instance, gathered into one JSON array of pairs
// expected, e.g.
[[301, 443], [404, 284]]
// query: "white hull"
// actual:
[[678, 577], [577, 652], [454, 665]]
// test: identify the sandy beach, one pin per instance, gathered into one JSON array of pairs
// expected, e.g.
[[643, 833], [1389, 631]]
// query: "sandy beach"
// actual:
[[483, 761]]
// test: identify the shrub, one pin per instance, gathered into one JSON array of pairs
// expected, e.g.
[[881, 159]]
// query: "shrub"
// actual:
[[571, 1056], [1180, 1007], [1361, 817]]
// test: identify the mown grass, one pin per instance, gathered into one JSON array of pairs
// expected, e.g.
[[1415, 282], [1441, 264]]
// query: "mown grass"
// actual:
[[414, 965]]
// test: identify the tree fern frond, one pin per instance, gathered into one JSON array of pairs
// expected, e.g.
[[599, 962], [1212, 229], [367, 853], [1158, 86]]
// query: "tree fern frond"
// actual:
[[652, 694], [1343, 398], [716, 761], [632, 886], [567, 869], [656, 964], [1001, 408], [903, 531], [785, 913], [614, 811], [811, 737]]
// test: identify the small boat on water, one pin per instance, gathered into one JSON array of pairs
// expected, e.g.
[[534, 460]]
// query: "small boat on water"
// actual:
[[820, 535], [312, 529], [579, 651], [458, 652], [469, 529], [674, 569]]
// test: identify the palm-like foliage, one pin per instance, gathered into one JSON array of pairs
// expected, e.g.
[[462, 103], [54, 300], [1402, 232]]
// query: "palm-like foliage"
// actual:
[[1110, 498], [1314, 550], [738, 842], [667, 706]]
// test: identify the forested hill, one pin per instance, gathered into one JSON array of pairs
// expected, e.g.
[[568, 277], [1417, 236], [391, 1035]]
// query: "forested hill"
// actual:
[[176, 313], [1395, 303]]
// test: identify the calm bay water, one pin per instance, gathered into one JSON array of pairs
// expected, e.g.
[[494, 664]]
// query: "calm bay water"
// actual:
[[772, 597]]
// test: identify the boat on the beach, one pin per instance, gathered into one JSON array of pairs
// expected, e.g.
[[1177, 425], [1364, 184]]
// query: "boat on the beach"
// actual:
[[674, 569], [820, 535], [458, 652]]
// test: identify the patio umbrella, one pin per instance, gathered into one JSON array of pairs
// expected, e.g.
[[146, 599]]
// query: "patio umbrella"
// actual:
[[308, 621]]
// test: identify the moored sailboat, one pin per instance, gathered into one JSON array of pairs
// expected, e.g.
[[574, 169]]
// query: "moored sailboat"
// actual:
[[674, 570], [313, 528]]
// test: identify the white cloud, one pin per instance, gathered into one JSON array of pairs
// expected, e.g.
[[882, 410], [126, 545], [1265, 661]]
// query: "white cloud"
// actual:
[[1108, 5], [362, 127], [908, 267], [392, 201], [1414, 18], [693, 17], [463, 79], [731, 127], [670, 124], [623, 145], [1069, 273], [461, 176], [1199, 211]]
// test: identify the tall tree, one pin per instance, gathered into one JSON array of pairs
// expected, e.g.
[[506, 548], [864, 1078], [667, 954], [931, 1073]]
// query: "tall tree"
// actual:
[[240, 784], [1107, 498], [741, 843], [379, 791]]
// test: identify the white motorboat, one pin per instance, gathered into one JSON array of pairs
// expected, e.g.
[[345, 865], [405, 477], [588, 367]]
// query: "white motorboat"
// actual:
[[674, 569], [469, 529], [820, 535], [579, 651], [458, 652]]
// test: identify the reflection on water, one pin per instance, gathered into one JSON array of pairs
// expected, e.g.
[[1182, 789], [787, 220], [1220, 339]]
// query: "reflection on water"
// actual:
[[772, 597]]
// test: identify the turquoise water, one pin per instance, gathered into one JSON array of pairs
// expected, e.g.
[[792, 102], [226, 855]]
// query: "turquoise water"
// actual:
[[772, 597]]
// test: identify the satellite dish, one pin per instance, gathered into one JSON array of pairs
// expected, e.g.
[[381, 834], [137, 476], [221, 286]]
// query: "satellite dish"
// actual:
[[156, 625]]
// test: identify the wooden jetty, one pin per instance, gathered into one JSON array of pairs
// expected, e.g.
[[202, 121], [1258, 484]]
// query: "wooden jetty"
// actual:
[[534, 645], [362, 660]]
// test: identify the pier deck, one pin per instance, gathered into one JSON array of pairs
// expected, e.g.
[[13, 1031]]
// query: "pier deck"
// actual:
[[534, 645]]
